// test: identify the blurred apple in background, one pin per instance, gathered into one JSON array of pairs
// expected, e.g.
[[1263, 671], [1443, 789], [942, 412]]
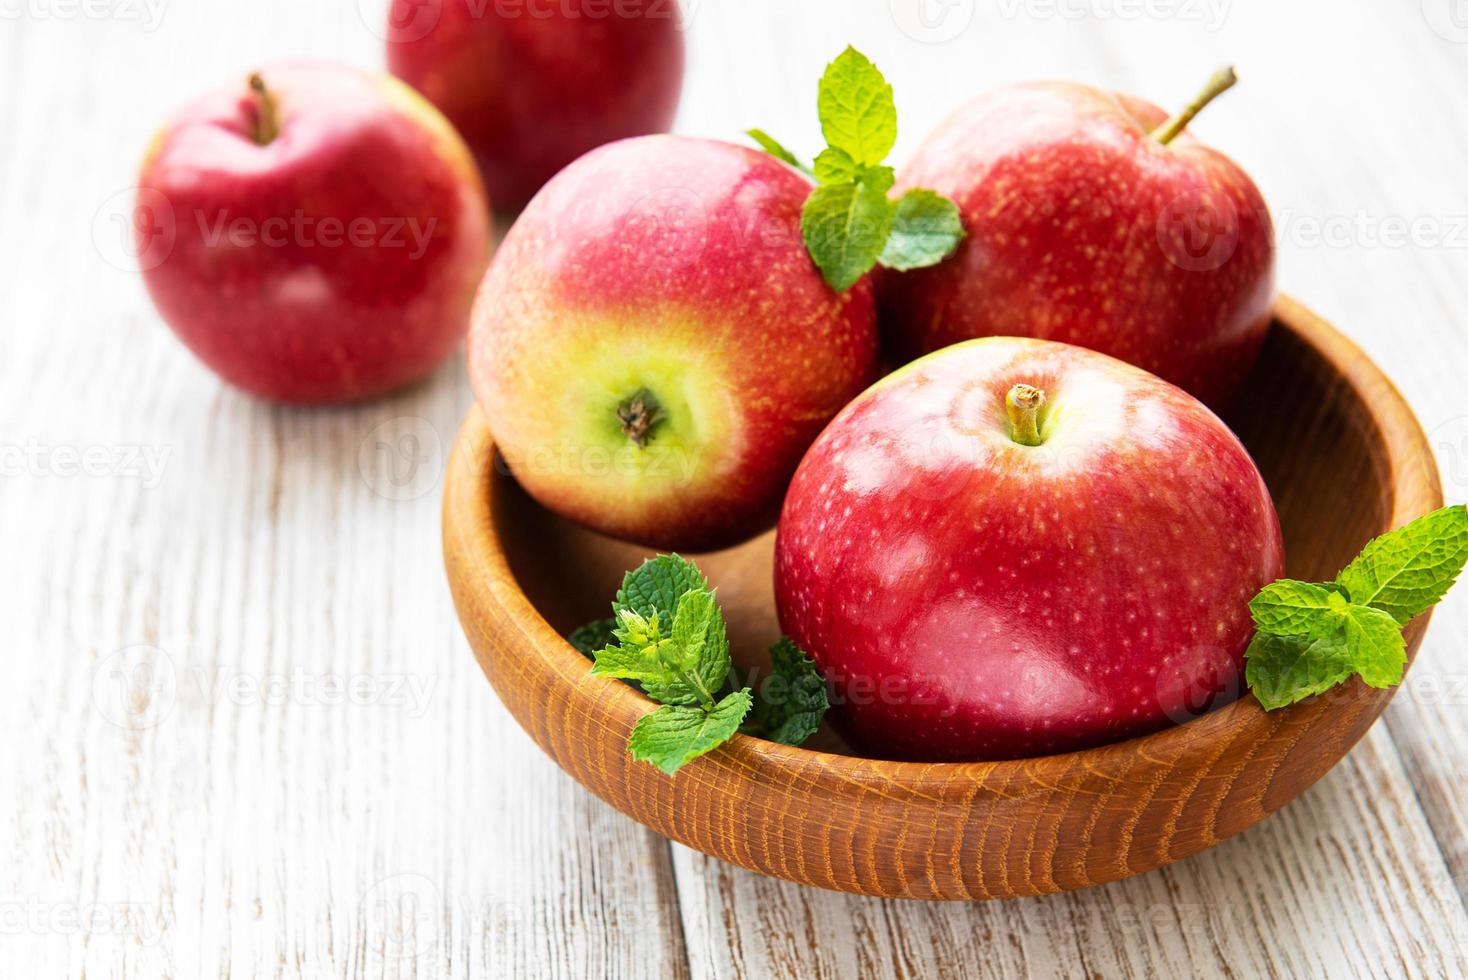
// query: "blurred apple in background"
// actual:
[[324, 230], [1091, 222], [532, 84], [654, 348], [1015, 547]]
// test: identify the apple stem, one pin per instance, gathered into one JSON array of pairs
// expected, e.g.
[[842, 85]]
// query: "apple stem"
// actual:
[[638, 414], [1221, 82], [1023, 404], [267, 122]]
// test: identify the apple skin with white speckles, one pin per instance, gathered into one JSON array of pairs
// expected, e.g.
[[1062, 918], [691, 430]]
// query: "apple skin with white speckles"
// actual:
[[670, 267], [335, 262], [532, 86], [970, 597], [1083, 228]]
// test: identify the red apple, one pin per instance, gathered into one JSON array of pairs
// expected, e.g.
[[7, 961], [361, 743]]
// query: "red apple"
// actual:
[[987, 580], [654, 348], [314, 234], [534, 84], [1085, 227]]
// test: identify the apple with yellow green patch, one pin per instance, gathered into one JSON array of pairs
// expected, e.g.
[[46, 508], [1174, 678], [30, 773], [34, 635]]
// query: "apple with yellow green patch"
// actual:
[[654, 348]]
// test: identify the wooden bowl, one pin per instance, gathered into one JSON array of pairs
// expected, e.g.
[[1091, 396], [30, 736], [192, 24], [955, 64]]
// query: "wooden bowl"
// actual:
[[1345, 460]]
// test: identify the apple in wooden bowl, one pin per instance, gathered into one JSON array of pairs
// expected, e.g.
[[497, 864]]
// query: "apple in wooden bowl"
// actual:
[[1316, 415]]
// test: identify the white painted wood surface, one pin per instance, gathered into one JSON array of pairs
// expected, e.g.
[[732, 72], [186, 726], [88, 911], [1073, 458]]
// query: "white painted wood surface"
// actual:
[[316, 782]]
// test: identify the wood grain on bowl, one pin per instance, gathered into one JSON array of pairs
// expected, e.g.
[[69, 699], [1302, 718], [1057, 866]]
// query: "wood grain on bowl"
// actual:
[[1344, 459]]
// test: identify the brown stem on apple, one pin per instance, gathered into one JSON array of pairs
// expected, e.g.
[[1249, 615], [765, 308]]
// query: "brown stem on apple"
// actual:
[[1221, 82], [1023, 404], [638, 414], [267, 119]]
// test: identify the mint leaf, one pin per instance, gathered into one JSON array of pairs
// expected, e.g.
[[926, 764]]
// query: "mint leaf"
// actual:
[[926, 229], [670, 638], [1374, 645], [1281, 670], [835, 166], [670, 635], [1350, 639], [701, 640], [1407, 571], [593, 636], [857, 112], [672, 736], [656, 586], [845, 227], [1289, 607], [848, 223], [773, 147], [1313, 636], [789, 705], [641, 657]]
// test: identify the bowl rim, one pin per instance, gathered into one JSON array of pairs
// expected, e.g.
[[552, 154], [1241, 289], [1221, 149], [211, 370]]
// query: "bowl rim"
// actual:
[[526, 658]]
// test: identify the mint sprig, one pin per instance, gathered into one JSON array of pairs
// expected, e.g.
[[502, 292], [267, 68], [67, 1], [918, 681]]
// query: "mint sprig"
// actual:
[[668, 636], [593, 636], [792, 701], [1312, 636], [673, 735], [848, 222]]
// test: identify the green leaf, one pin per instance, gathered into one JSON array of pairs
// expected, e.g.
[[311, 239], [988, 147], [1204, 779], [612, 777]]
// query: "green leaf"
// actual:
[[845, 227], [926, 229], [877, 179], [1289, 607], [835, 166], [657, 584], [1374, 645], [701, 639], [1407, 571], [791, 702], [671, 735], [593, 636], [856, 108], [1281, 670], [644, 663], [773, 147]]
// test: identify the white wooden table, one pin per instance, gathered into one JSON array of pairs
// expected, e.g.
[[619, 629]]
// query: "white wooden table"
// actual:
[[318, 782]]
